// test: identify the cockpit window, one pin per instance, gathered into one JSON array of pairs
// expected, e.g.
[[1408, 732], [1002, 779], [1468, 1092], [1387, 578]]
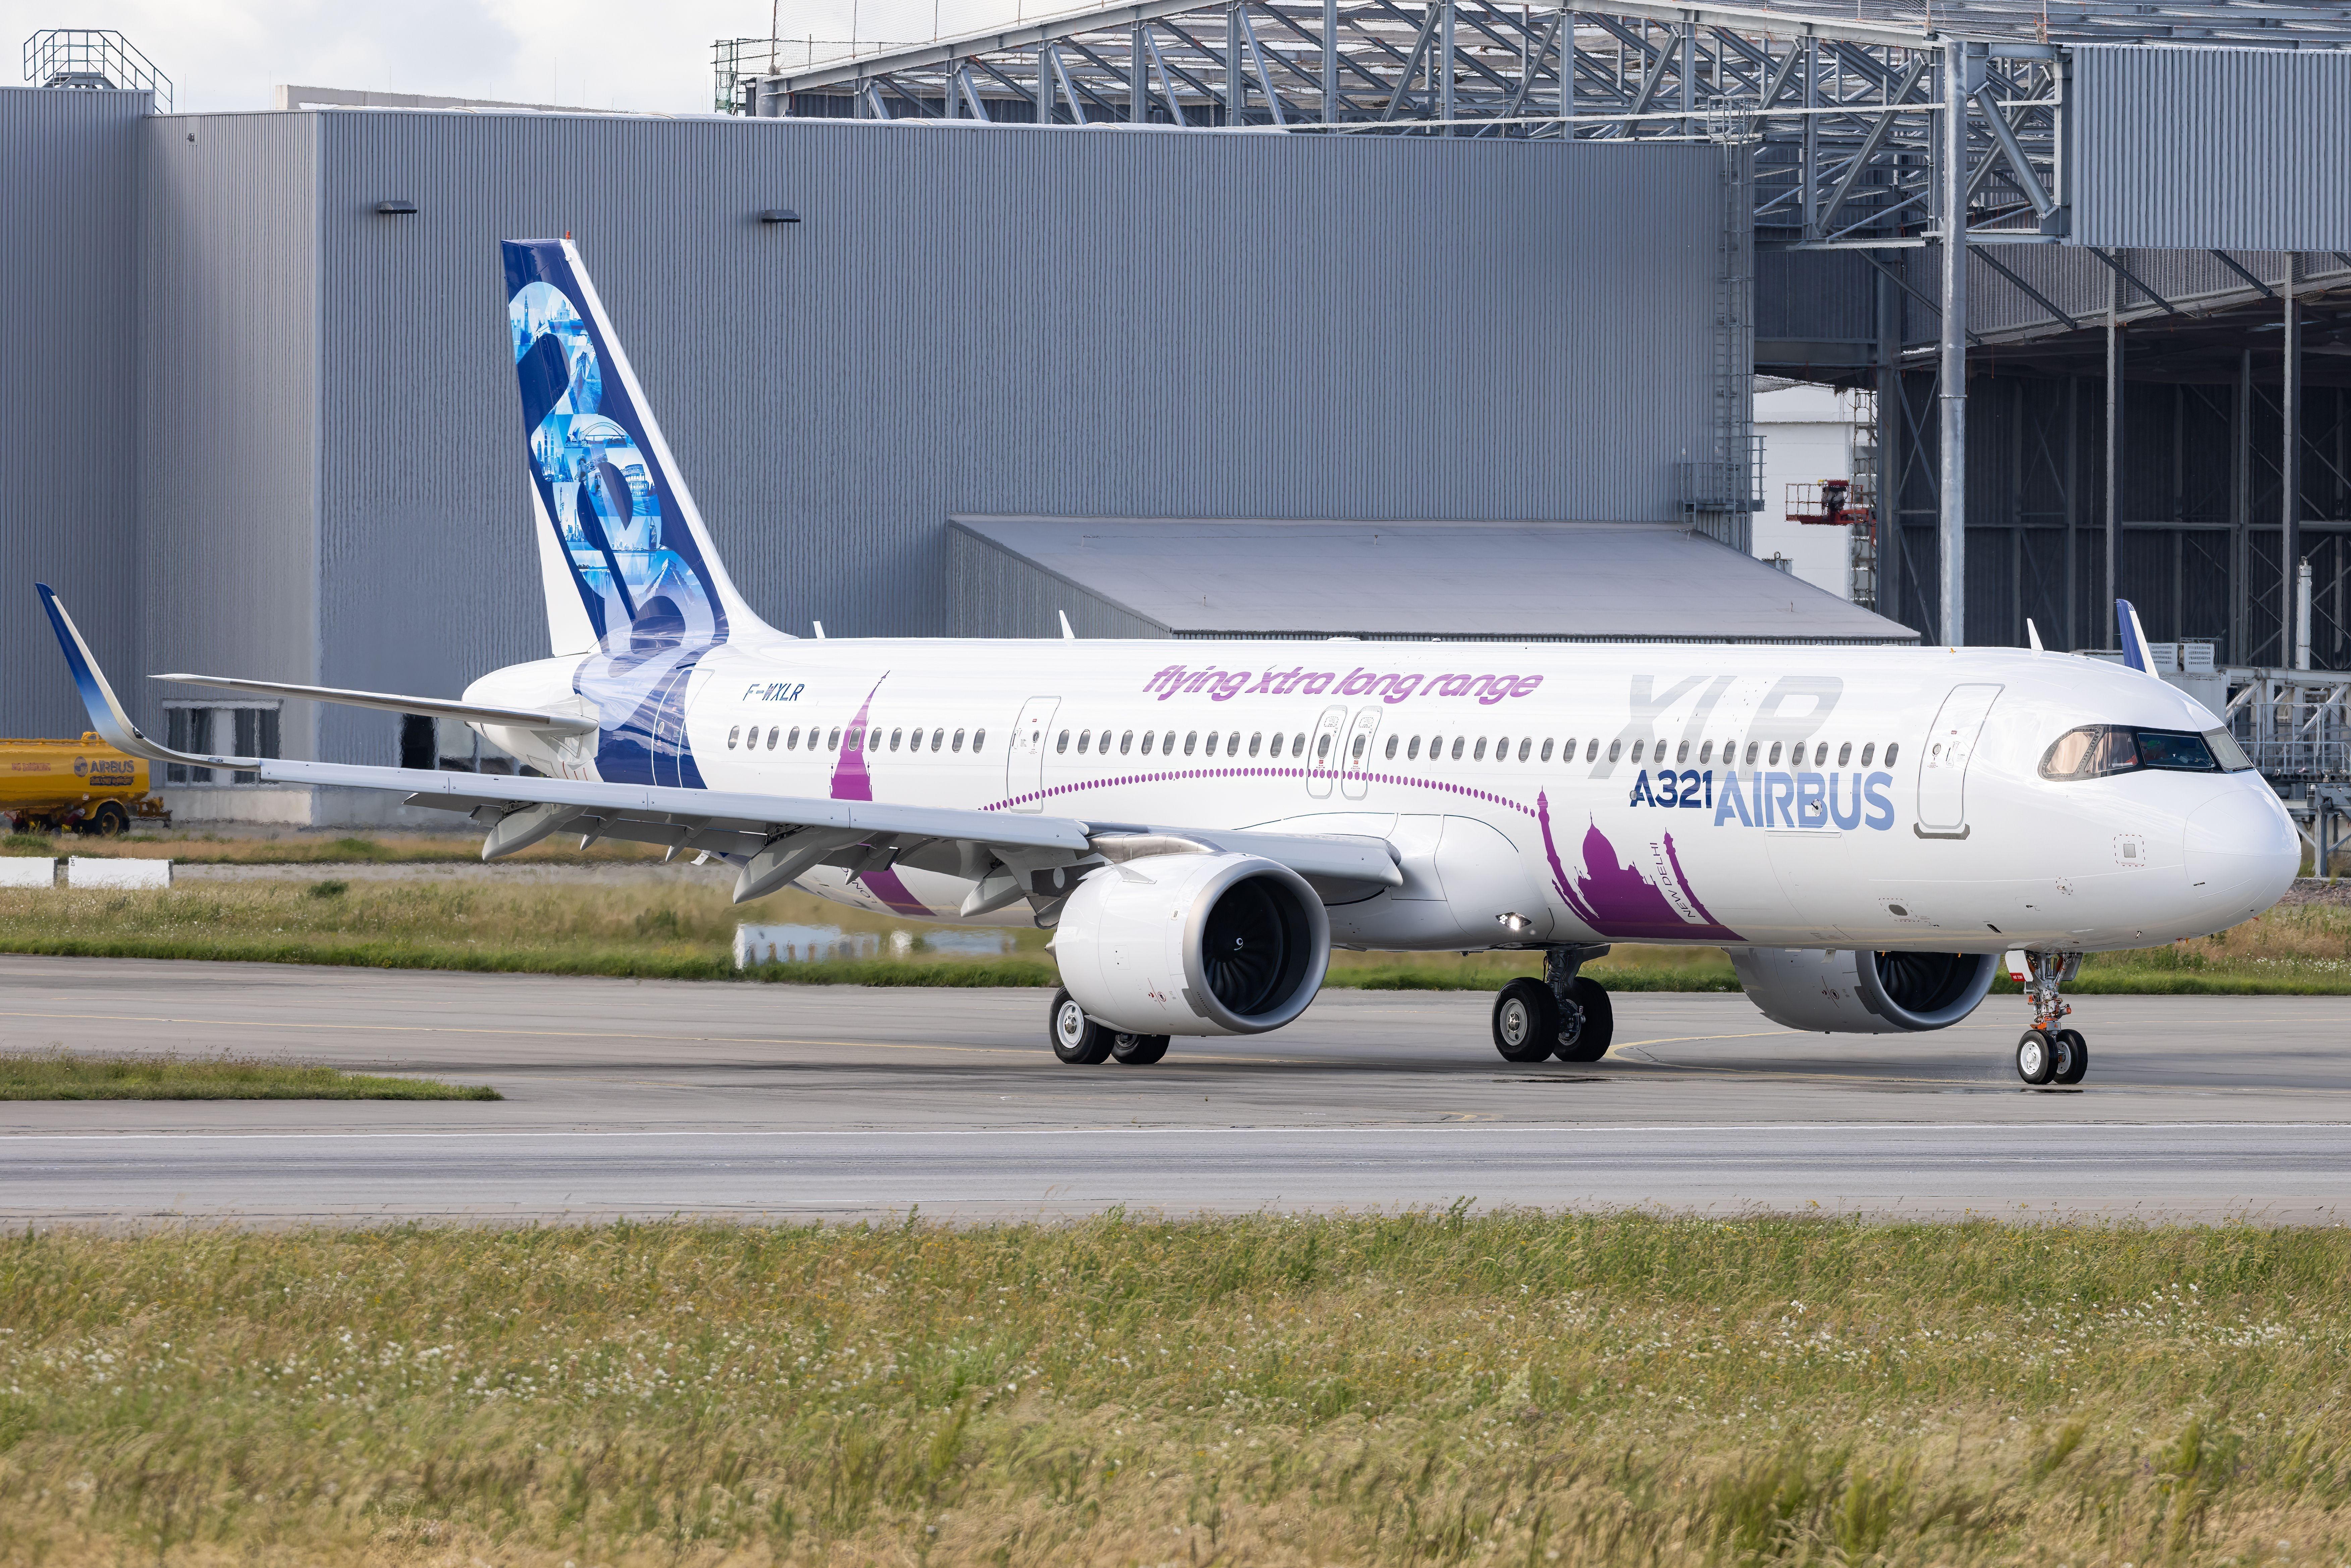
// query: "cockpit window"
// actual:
[[2097, 750]]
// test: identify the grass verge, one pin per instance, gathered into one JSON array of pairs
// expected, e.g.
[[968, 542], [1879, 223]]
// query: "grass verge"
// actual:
[[62, 1076], [1429, 1388], [686, 932]]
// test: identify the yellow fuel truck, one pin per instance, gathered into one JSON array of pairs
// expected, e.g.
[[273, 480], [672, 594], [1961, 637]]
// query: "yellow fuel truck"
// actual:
[[85, 785]]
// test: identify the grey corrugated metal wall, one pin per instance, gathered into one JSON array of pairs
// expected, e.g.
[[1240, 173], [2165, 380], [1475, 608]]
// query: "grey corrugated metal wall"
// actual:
[[1068, 322], [230, 393], [2181, 147], [1009, 321], [69, 343], [1000, 594]]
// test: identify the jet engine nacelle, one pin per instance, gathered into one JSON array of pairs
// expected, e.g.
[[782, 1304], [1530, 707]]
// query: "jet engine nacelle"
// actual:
[[1864, 992], [1193, 944]]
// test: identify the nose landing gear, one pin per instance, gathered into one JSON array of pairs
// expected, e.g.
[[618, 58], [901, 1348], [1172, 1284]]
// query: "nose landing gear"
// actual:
[[2046, 1053]]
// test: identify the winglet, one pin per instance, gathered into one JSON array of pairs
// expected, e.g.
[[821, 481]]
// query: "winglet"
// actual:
[[106, 716], [2032, 634], [2133, 636]]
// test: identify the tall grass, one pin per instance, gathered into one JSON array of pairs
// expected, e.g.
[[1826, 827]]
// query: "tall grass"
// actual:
[[685, 931], [1432, 1388]]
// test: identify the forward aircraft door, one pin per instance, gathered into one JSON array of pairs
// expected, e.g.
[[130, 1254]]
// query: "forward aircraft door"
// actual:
[[1322, 753], [1024, 757], [1943, 765]]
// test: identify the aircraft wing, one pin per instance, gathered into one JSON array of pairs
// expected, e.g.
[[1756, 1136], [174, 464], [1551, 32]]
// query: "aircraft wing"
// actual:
[[392, 702], [774, 839]]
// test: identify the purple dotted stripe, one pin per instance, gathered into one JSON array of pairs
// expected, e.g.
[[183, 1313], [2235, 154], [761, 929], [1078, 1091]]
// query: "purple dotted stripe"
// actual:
[[1086, 784]]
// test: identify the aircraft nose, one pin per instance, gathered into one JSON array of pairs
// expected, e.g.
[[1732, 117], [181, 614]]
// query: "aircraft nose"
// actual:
[[2241, 850]]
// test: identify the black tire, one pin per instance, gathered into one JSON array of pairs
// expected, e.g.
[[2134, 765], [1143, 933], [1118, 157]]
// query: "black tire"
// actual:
[[110, 820], [1137, 1049], [1526, 1021], [1077, 1039], [1588, 1024], [2072, 1057], [2035, 1060]]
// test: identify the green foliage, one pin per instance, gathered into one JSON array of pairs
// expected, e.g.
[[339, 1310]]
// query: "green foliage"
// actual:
[[333, 887], [61, 1075], [29, 844]]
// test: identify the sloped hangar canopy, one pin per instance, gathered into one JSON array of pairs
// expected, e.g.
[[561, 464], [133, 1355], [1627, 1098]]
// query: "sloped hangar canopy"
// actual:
[[1501, 580]]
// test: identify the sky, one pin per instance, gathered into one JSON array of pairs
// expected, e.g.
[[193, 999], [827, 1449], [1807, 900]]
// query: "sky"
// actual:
[[654, 55]]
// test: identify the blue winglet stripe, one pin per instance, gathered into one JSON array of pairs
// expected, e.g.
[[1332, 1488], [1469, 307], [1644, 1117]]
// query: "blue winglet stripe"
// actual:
[[2133, 651]]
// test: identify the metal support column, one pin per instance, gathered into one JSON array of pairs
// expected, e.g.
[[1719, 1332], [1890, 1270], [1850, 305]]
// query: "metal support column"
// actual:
[[2113, 443], [1045, 84], [1893, 447], [1233, 45], [1138, 77], [1952, 394], [1445, 73], [2073, 511], [1810, 196], [2290, 461], [1329, 62], [2240, 511]]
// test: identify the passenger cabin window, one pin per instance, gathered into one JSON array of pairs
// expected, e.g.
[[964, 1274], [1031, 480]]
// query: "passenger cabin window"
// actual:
[[1412, 752], [1592, 751], [1478, 752], [1636, 749], [1361, 741], [792, 741], [978, 739], [1126, 742], [957, 742], [732, 735], [1456, 752], [1322, 749], [1546, 751], [1085, 738], [1774, 758], [856, 734], [832, 741], [1392, 742], [1844, 754], [1868, 750], [1706, 754], [1191, 740], [1614, 748], [1893, 749], [1063, 745], [1148, 739]]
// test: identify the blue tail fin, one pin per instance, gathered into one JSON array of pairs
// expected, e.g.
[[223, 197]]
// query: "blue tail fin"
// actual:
[[625, 555], [2134, 640], [632, 580]]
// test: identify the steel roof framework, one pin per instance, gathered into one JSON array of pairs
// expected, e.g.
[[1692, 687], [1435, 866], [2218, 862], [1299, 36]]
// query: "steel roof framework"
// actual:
[[1860, 127]]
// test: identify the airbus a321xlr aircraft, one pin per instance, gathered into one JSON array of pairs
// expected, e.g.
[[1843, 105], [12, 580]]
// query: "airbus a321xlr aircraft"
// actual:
[[1200, 823]]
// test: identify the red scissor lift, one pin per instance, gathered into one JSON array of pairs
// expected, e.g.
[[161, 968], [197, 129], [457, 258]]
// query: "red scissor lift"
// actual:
[[1843, 503]]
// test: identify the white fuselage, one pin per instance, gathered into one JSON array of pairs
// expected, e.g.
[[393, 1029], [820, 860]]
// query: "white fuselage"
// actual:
[[1536, 793]]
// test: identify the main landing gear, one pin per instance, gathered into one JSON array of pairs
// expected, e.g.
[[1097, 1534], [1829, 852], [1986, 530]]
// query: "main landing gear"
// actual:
[[1081, 1042], [1563, 1014], [2047, 1054]]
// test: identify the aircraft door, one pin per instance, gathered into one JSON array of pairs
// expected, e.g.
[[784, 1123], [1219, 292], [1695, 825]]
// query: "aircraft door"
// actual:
[[1024, 756], [1322, 753], [1354, 780], [1943, 764]]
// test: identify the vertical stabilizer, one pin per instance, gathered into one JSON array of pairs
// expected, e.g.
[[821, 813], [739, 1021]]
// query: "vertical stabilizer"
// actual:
[[632, 579]]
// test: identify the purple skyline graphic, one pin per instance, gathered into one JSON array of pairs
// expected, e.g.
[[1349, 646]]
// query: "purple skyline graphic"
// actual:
[[1615, 899]]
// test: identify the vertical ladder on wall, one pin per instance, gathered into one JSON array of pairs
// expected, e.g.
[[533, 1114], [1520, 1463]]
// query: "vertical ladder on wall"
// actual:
[[1861, 565]]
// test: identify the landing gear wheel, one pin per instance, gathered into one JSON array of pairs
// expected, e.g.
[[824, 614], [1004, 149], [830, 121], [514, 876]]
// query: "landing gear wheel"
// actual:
[[1587, 1024], [1077, 1039], [1526, 1021], [2035, 1058], [2072, 1055], [1137, 1049], [109, 820]]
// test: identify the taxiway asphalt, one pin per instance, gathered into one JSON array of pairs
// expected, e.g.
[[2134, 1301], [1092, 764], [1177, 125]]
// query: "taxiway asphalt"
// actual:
[[653, 1098]]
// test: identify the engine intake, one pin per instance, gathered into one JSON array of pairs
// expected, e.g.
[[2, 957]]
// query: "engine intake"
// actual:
[[1193, 944], [1864, 992]]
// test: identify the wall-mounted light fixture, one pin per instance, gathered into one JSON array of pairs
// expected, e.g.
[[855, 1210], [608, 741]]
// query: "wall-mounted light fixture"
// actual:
[[395, 208], [779, 215]]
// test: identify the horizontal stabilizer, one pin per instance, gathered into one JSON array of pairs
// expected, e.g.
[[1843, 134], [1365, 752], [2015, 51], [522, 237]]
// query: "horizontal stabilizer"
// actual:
[[391, 702]]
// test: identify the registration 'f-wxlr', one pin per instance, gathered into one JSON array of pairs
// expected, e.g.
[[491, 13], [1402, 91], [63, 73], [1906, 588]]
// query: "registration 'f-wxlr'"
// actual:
[[1870, 837]]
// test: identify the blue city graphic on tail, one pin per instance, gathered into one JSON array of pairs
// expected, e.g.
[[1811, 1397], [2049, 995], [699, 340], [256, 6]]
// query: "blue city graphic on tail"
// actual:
[[650, 598]]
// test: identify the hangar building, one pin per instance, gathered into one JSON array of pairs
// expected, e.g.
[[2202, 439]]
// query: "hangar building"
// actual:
[[260, 418]]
